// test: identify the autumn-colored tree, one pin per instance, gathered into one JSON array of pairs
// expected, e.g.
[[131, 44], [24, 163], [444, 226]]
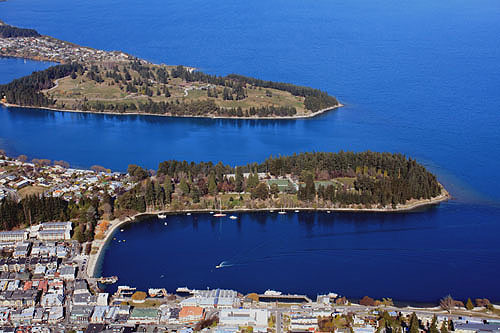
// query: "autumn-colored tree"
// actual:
[[139, 296], [367, 301]]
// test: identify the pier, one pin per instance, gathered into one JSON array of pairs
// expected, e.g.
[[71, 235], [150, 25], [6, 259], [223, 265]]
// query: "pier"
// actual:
[[284, 298]]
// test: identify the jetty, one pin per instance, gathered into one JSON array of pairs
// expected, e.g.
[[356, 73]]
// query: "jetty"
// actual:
[[267, 297]]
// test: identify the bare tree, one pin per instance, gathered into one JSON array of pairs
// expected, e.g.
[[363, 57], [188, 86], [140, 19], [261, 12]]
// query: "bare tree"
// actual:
[[447, 303]]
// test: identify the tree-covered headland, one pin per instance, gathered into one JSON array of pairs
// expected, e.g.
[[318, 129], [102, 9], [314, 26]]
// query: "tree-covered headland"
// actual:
[[366, 180], [307, 180], [139, 87]]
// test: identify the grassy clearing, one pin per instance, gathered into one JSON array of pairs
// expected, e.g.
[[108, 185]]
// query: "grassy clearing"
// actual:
[[348, 181], [30, 190], [70, 93]]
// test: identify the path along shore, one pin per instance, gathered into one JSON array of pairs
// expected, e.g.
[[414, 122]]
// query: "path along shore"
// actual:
[[311, 115], [116, 223]]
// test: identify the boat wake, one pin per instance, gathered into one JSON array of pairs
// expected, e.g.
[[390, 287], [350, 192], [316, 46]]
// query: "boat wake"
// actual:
[[223, 264]]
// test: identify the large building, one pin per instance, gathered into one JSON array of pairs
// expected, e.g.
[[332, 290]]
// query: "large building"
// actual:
[[256, 318], [216, 298], [191, 314], [52, 231], [13, 236]]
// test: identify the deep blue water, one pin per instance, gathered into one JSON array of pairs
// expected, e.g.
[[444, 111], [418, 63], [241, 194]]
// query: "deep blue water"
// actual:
[[419, 78], [410, 257]]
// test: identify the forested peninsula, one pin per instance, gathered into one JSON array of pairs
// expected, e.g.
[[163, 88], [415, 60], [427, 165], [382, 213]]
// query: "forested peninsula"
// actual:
[[344, 181], [89, 80]]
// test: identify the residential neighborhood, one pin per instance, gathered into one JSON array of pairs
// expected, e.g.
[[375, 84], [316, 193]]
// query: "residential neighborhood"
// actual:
[[51, 49], [19, 179]]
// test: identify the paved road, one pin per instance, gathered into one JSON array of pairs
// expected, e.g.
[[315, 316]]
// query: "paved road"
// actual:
[[278, 321]]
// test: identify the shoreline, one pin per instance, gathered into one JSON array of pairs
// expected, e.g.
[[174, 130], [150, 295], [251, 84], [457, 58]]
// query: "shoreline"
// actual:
[[312, 115], [100, 244]]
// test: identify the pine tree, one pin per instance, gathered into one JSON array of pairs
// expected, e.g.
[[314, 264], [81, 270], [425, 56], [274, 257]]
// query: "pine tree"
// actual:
[[433, 328], [414, 324], [169, 189], [444, 328], [239, 180], [184, 186], [212, 185], [469, 305]]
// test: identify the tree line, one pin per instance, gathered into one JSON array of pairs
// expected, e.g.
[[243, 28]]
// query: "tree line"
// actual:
[[188, 108], [8, 31], [25, 91], [35, 209]]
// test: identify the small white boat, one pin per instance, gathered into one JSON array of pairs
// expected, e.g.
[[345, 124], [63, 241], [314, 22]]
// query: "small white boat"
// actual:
[[218, 266], [282, 212], [162, 216], [219, 215], [328, 212], [121, 230], [296, 211], [232, 217], [271, 211], [188, 214], [211, 212], [183, 290], [165, 223]]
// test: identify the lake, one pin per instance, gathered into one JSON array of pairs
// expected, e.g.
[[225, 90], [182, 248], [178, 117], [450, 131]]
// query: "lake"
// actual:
[[421, 79]]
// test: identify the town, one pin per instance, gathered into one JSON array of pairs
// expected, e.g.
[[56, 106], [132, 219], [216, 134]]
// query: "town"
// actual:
[[44, 48], [47, 281], [44, 287]]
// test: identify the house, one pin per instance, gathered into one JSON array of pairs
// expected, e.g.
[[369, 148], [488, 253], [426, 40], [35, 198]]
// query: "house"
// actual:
[[99, 314], [300, 322], [84, 298], [191, 314], [476, 327], [22, 249], [102, 299], [4, 315], [81, 313], [56, 314], [52, 300], [67, 272]]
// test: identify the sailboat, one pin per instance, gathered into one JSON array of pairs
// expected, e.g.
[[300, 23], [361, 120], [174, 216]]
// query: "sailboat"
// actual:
[[282, 211], [220, 213], [162, 216]]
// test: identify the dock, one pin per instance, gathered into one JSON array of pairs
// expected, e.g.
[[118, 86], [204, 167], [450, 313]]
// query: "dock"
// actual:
[[284, 298]]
